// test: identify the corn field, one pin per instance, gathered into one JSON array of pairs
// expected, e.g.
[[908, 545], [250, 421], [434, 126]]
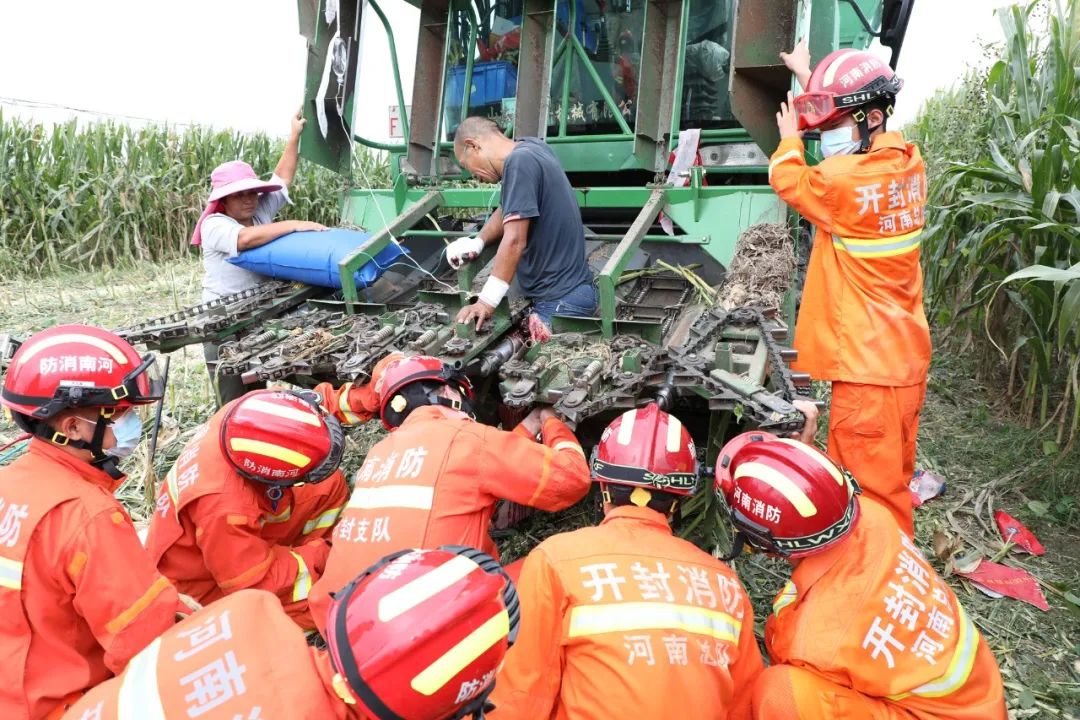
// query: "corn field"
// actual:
[[1002, 245], [108, 195]]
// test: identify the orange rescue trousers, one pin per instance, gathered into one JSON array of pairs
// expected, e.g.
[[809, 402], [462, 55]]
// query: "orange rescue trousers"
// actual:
[[872, 430]]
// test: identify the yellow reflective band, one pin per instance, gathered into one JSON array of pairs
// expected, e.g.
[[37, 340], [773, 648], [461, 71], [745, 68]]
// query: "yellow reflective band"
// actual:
[[414, 497], [817, 456], [457, 658], [786, 597], [783, 158], [11, 574], [288, 413], [139, 697], [32, 349], [425, 587], [781, 484], [674, 434], [266, 449], [568, 445], [963, 660], [879, 247], [343, 405], [322, 521], [279, 518], [621, 617], [626, 429], [302, 586]]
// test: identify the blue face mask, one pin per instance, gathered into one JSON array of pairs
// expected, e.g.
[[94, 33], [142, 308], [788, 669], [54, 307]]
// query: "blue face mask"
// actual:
[[128, 433], [838, 142]]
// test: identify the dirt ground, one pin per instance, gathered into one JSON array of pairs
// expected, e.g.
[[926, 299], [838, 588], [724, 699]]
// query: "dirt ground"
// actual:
[[988, 460]]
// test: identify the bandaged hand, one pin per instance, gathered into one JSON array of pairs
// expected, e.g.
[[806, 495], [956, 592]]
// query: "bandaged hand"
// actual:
[[463, 250]]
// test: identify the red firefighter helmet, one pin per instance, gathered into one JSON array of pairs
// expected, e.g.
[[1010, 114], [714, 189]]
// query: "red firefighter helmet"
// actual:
[[71, 366], [784, 496], [842, 82], [421, 633], [647, 448], [281, 438], [399, 394]]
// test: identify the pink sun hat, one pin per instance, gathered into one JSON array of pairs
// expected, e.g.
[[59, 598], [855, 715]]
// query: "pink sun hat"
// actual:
[[237, 176], [228, 179]]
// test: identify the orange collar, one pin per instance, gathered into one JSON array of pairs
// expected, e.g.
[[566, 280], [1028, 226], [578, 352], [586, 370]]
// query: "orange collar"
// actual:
[[888, 140], [642, 516], [810, 569], [84, 470], [434, 412]]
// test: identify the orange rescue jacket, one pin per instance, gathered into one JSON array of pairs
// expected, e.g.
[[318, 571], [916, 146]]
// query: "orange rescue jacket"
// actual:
[[872, 615], [862, 317], [435, 481], [624, 620], [355, 404], [239, 658], [214, 532], [78, 595]]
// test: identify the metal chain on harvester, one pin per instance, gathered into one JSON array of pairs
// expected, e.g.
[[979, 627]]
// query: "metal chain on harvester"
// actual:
[[767, 409]]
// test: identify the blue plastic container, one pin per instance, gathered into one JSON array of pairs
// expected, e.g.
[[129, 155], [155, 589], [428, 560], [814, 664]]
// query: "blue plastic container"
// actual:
[[491, 82], [312, 257]]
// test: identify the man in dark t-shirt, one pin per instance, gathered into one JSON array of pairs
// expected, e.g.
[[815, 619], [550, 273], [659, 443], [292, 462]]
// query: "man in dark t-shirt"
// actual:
[[537, 226]]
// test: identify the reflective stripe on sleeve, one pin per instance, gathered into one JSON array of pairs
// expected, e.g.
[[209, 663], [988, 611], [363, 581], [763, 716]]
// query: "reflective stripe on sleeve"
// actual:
[[322, 521], [568, 445], [139, 698], [786, 597], [960, 665], [302, 586], [783, 158], [343, 406], [620, 617], [11, 574]]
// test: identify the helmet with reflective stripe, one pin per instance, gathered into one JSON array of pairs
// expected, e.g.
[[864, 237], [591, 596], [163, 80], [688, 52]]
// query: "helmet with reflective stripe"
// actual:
[[281, 438], [842, 82], [406, 384], [71, 366], [648, 450], [420, 634], [784, 496]]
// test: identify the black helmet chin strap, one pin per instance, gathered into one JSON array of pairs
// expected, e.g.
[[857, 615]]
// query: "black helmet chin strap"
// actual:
[[99, 459], [862, 121], [738, 544]]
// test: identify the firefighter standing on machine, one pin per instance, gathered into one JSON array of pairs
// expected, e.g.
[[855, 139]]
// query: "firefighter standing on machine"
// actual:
[[242, 657], [624, 620], [436, 479], [78, 595], [865, 628], [251, 500], [861, 324]]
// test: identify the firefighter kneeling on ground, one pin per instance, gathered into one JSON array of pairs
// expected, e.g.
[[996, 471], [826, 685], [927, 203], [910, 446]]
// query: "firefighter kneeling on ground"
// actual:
[[865, 628], [78, 595], [438, 476], [250, 501], [625, 620], [419, 636]]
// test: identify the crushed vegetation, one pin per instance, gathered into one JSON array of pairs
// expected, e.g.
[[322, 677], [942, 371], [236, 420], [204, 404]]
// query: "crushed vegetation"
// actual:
[[762, 269]]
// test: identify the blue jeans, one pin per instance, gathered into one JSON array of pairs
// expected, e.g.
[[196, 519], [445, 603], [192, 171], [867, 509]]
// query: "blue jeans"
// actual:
[[579, 302]]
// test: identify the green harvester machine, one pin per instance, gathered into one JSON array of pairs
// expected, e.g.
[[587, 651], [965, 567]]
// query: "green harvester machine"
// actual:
[[613, 86]]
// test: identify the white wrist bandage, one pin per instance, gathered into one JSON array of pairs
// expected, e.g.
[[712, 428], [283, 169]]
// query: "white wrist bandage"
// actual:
[[494, 291]]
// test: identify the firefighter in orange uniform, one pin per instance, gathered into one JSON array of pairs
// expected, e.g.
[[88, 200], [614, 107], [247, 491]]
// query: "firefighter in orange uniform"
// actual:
[[621, 620], [865, 628], [78, 595], [251, 500], [861, 324], [242, 657], [354, 404], [436, 479]]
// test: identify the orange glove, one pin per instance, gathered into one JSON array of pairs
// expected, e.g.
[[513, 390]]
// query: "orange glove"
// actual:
[[353, 404]]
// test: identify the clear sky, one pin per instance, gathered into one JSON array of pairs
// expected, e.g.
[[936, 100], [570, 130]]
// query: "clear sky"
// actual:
[[240, 63]]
